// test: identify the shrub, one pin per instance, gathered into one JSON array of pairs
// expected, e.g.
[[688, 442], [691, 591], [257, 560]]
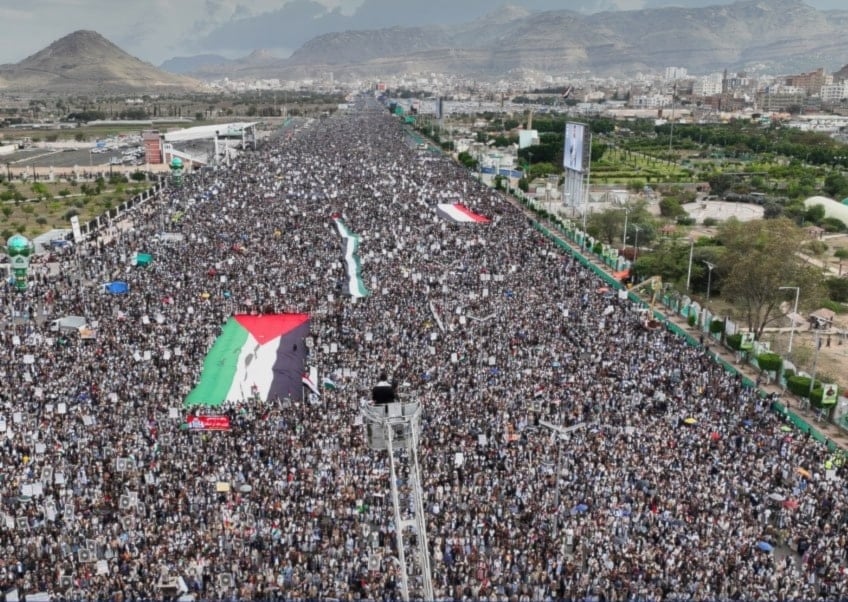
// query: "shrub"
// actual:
[[70, 213], [692, 318], [837, 289], [816, 247], [770, 362], [799, 385], [717, 326], [709, 222], [734, 341], [833, 306], [598, 248]]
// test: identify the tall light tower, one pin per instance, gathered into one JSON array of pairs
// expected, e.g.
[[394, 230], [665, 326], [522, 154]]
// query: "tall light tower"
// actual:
[[392, 427]]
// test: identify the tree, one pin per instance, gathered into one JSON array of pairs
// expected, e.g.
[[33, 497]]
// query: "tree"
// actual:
[[814, 214], [761, 256], [467, 160], [671, 207], [836, 185], [606, 225], [720, 183]]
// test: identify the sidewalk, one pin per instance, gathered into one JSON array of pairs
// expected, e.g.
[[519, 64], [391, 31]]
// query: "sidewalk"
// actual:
[[828, 430]]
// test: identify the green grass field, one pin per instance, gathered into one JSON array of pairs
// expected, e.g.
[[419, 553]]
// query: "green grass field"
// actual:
[[34, 209]]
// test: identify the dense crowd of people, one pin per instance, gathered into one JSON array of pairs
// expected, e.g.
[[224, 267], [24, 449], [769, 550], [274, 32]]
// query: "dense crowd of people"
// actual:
[[681, 483]]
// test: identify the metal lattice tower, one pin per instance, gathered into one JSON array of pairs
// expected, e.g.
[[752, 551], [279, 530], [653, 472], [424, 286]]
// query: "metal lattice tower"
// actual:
[[393, 427]]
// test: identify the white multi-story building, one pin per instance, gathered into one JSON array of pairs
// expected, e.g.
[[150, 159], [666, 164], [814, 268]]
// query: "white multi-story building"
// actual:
[[650, 101], [672, 73], [708, 85], [832, 93]]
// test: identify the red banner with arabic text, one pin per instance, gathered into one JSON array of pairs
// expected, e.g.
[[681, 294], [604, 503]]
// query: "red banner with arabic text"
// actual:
[[208, 423]]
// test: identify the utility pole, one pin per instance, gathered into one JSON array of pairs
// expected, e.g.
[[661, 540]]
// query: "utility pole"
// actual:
[[559, 432]]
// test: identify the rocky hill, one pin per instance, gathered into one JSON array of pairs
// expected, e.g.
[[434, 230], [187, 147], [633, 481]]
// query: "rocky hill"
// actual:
[[777, 35], [84, 62]]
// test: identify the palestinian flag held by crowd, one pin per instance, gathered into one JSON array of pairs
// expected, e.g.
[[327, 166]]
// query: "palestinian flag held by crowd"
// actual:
[[255, 356], [460, 214], [353, 267]]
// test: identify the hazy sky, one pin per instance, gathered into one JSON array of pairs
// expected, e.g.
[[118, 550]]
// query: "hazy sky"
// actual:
[[155, 30]]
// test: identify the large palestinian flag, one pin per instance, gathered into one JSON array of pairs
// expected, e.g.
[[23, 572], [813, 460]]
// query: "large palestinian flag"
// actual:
[[459, 213], [260, 356], [353, 267]]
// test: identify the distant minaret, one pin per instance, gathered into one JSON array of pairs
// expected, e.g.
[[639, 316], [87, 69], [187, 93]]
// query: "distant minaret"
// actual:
[[724, 82]]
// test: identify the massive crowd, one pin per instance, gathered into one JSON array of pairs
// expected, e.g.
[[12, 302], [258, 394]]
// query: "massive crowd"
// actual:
[[682, 484]]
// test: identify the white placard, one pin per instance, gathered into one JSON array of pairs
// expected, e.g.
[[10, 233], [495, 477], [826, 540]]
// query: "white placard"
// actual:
[[59, 478], [369, 337], [29, 358], [26, 489], [17, 417], [334, 348], [61, 408], [145, 320], [454, 358], [102, 567], [40, 448], [88, 420], [173, 413], [492, 360]]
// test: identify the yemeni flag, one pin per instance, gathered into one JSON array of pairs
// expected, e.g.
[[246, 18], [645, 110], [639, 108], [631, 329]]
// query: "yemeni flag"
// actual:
[[460, 214], [255, 356], [308, 379], [353, 266]]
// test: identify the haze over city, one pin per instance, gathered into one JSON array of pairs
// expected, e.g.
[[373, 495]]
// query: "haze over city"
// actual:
[[155, 30]]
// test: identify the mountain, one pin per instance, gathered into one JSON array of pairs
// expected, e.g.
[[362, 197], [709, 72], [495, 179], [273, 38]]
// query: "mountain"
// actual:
[[778, 35], [260, 62], [84, 62], [185, 65]]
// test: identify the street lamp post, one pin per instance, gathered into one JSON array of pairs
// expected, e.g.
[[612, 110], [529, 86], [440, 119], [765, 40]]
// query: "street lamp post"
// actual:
[[624, 234], [815, 365], [689, 271], [559, 432], [710, 267], [636, 243], [797, 290]]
